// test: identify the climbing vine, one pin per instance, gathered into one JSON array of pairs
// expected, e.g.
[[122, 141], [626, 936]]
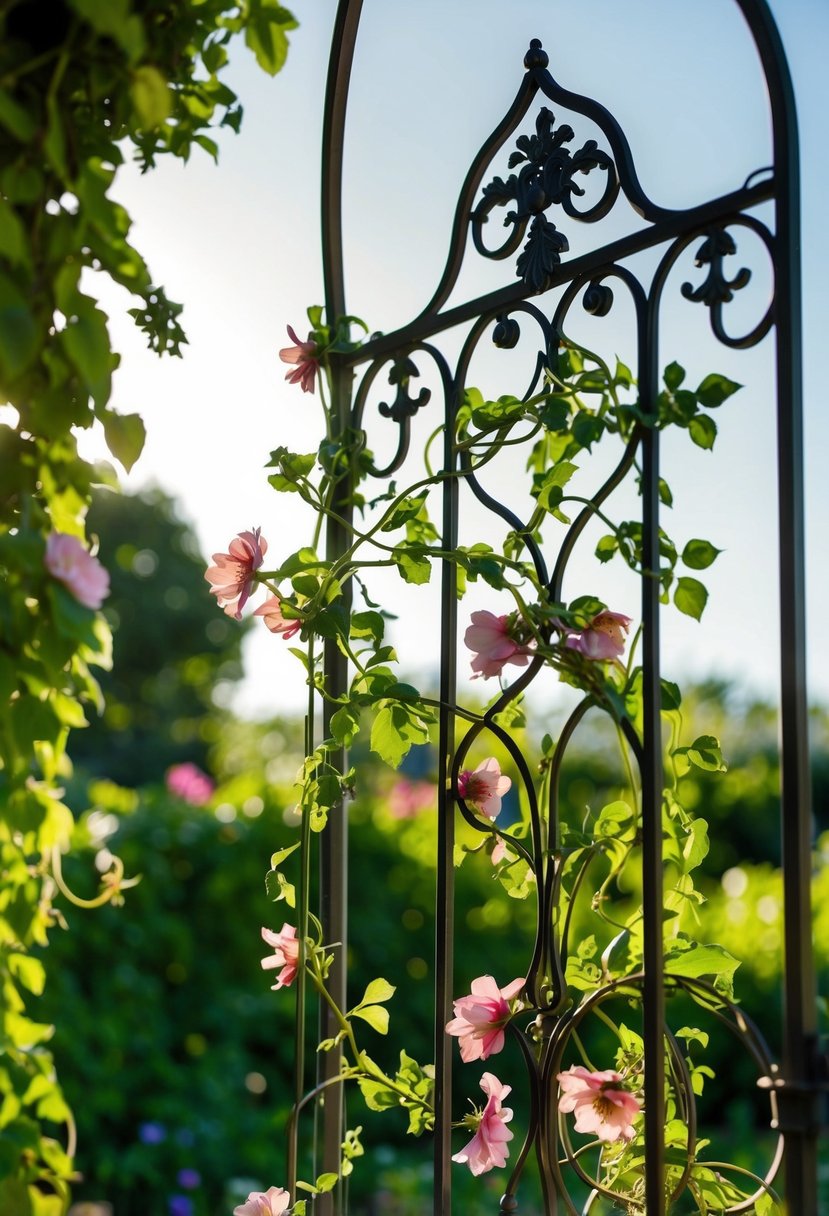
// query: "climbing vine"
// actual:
[[83, 86]]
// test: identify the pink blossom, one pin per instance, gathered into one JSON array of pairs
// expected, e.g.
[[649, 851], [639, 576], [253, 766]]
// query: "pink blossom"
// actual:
[[232, 578], [484, 787], [188, 782], [271, 610], [82, 574], [488, 1147], [604, 637], [304, 355], [408, 798], [286, 954], [480, 1018], [601, 1102], [489, 637], [499, 851], [272, 1202]]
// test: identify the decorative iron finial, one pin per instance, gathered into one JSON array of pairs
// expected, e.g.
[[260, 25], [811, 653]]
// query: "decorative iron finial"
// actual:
[[536, 56]]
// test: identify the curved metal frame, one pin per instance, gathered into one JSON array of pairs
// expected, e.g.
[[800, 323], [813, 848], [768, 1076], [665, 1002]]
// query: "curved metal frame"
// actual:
[[544, 180]]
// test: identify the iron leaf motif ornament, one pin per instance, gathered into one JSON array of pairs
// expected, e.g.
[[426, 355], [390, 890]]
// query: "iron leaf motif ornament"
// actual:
[[546, 178]]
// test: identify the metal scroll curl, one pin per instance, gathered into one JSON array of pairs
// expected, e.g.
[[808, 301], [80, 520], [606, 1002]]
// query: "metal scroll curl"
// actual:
[[405, 403], [717, 289]]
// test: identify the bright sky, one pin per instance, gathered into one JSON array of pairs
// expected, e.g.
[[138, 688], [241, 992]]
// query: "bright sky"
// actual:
[[239, 245]]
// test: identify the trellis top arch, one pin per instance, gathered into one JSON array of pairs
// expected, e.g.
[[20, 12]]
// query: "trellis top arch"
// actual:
[[546, 185]]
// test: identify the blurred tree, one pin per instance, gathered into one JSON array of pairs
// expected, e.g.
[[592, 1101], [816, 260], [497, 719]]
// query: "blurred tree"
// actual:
[[173, 648]]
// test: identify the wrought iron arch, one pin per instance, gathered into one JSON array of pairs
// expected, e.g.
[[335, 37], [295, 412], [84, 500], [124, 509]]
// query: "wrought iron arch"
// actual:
[[545, 184]]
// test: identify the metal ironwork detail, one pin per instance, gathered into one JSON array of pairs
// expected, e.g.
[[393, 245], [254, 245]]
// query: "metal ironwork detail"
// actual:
[[546, 178]]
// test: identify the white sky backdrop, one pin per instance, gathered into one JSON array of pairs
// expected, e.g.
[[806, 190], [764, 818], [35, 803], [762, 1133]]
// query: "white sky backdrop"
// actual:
[[239, 245]]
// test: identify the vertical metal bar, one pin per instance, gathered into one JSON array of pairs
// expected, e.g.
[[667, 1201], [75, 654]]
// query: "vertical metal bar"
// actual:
[[798, 1111], [652, 780], [444, 894], [334, 841]]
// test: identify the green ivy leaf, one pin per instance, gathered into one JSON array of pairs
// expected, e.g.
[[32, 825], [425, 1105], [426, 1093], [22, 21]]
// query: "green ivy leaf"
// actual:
[[86, 341], [690, 597], [125, 435], [716, 389], [376, 1016], [699, 554], [673, 376], [395, 728], [703, 431], [18, 333], [414, 567], [266, 33], [151, 97]]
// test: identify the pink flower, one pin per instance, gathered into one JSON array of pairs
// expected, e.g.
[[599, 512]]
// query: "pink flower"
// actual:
[[304, 355], [271, 610], [188, 782], [499, 851], [480, 1018], [488, 1147], [272, 1202], [601, 1102], [286, 954], [232, 577], [488, 635], [604, 638], [408, 798], [82, 575], [484, 788]]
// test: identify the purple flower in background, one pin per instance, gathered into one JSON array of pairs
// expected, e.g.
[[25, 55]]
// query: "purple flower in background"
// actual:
[[152, 1133], [188, 782], [188, 1179], [180, 1205]]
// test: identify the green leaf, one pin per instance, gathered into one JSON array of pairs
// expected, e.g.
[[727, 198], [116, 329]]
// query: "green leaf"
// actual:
[[607, 546], [395, 728], [673, 376], [699, 554], [125, 435], [265, 33], [716, 389], [18, 334], [705, 753], [151, 97], [377, 1096], [345, 724], [16, 119], [700, 960], [549, 487], [616, 820], [376, 1016], [326, 1182], [277, 887], [690, 597], [377, 992], [86, 341], [14, 244], [414, 568], [281, 855], [703, 431]]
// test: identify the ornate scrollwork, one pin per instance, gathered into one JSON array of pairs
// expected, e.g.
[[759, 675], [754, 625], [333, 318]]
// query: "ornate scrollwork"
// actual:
[[404, 405], [716, 289], [546, 178]]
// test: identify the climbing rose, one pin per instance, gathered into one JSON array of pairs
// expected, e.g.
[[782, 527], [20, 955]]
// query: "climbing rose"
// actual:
[[484, 787], [232, 579], [601, 1102], [82, 574], [272, 1202], [488, 636], [304, 355], [189, 783], [480, 1018], [286, 954], [604, 637], [271, 610], [488, 1147]]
